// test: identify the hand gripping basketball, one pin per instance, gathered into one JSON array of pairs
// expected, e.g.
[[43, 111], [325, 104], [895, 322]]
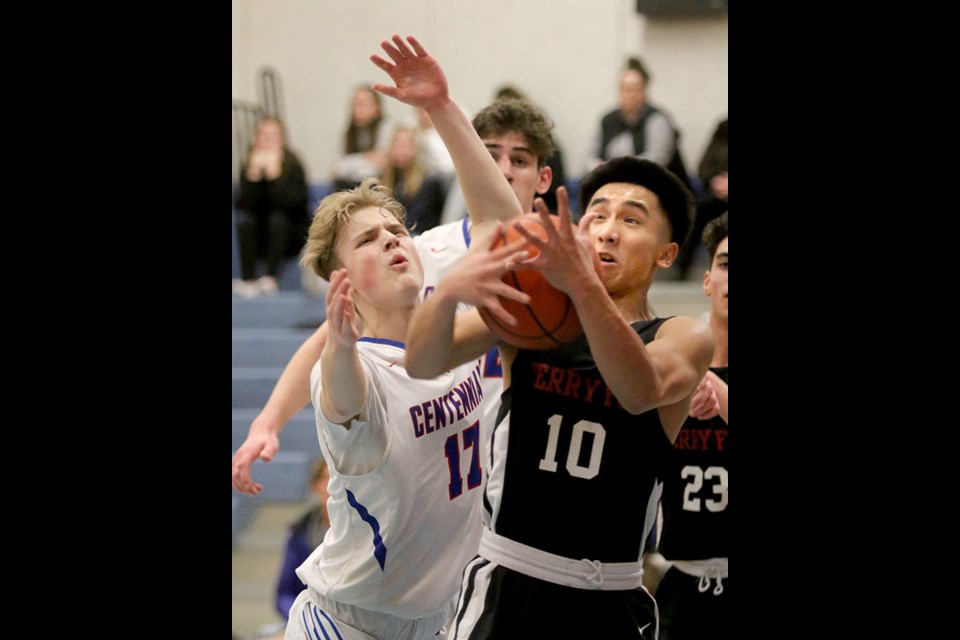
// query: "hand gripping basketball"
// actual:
[[549, 319]]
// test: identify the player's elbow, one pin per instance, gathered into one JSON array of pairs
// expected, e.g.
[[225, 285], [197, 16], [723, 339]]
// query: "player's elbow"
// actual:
[[636, 406], [652, 397]]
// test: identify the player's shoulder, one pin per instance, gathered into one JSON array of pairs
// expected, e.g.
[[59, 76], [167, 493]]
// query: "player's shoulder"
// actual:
[[686, 327]]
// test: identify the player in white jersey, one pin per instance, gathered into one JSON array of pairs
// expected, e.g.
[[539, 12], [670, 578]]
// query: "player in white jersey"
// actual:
[[404, 455], [517, 135], [399, 523]]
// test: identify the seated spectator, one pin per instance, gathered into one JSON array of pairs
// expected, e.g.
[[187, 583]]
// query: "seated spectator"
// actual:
[[365, 140], [712, 201], [271, 207], [638, 128], [421, 193]]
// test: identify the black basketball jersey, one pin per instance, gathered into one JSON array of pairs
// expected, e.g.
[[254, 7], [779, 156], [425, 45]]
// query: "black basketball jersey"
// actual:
[[573, 473], [696, 523]]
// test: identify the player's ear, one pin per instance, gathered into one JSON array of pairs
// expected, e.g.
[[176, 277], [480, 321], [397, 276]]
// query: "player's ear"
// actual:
[[666, 254], [544, 179], [706, 283]]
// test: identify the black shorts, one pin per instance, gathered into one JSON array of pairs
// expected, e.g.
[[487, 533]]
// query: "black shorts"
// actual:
[[496, 602], [686, 611]]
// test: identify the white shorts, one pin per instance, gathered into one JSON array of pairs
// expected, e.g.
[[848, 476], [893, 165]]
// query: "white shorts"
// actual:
[[313, 618]]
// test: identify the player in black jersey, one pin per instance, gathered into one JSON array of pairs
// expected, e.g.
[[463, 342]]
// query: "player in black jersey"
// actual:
[[583, 428], [696, 535]]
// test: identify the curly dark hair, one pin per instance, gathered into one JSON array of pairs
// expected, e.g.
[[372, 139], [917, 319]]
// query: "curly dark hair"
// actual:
[[506, 115]]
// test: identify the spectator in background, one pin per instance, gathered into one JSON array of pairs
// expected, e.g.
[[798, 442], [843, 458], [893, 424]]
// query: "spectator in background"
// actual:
[[272, 216], [306, 534], [365, 140], [638, 128], [555, 161], [712, 201], [420, 192]]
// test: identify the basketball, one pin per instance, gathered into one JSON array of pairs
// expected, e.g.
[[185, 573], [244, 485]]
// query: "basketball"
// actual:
[[550, 319]]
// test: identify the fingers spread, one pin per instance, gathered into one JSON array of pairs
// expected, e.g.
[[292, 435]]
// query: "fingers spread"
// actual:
[[539, 205], [417, 46], [532, 238], [585, 222], [511, 250], [510, 293], [403, 47], [391, 50], [380, 62]]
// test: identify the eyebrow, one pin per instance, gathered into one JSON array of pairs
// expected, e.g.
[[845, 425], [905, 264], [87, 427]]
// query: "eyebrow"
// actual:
[[633, 203], [722, 255], [499, 147], [389, 225]]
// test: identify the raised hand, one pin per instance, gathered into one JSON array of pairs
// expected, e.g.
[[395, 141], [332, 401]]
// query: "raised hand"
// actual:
[[259, 444], [566, 256], [477, 279], [342, 319], [418, 77]]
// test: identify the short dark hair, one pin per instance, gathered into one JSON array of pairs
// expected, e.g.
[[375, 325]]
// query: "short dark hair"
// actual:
[[714, 233], [675, 198]]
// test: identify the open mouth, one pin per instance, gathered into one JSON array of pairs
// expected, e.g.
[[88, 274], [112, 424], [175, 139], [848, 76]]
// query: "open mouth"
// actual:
[[606, 258], [398, 259]]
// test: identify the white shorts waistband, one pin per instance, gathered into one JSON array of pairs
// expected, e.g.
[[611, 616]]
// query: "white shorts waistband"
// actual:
[[582, 574]]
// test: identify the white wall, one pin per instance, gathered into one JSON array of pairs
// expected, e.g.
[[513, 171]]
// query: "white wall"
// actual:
[[565, 54]]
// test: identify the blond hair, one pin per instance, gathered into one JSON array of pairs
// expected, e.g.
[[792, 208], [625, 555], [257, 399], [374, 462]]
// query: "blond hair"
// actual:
[[334, 212]]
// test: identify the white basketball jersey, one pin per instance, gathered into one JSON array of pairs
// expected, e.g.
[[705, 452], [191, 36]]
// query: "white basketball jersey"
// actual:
[[403, 528], [440, 248]]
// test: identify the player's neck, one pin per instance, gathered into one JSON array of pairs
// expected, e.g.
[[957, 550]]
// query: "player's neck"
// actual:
[[720, 343], [634, 306], [387, 325]]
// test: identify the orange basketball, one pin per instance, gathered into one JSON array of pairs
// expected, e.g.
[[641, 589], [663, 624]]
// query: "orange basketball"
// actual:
[[550, 320]]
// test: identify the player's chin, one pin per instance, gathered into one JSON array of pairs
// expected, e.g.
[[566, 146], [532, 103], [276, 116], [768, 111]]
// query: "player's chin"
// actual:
[[410, 279], [607, 273]]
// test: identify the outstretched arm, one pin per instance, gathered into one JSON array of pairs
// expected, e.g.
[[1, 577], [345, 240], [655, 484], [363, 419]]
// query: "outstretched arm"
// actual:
[[290, 395], [420, 82]]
